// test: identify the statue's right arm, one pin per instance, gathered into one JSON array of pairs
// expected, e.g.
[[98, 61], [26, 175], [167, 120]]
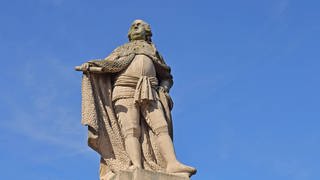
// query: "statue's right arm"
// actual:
[[84, 67]]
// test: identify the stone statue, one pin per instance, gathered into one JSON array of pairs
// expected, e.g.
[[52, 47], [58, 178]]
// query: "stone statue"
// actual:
[[127, 108]]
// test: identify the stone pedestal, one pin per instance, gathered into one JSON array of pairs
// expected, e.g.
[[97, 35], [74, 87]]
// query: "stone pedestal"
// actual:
[[141, 174]]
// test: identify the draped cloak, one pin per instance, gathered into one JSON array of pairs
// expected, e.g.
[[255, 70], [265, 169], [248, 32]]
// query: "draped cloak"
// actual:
[[104, 134]]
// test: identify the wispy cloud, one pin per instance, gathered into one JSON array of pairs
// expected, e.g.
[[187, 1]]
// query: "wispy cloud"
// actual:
[[46, 114]]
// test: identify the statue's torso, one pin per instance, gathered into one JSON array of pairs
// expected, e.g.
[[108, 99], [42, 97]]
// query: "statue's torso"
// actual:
[[140, 66]]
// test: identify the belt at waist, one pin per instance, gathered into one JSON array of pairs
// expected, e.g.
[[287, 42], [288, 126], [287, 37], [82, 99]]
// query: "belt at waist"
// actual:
[[143, 85]]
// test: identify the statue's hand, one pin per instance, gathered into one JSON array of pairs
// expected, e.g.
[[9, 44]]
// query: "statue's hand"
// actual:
[[85, 66], [163, 89]]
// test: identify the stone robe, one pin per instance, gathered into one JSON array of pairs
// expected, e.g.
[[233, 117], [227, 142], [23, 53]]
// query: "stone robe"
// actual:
[[104, 133]]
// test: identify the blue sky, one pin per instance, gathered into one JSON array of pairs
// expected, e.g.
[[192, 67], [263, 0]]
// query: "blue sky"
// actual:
[[246, 86]]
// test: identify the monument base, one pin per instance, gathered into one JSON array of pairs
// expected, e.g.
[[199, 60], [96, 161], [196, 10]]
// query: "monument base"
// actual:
[[141, 174]]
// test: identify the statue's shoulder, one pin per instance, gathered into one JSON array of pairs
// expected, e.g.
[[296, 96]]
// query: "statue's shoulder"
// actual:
[[137, 47], [120, 51], [134, 47]]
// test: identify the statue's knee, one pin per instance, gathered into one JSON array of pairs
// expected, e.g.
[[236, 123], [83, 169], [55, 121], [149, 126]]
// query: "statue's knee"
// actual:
[[161, 131], [132, 132]]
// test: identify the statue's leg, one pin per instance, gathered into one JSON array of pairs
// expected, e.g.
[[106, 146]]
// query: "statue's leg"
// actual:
[[154, 115], [128, 115]]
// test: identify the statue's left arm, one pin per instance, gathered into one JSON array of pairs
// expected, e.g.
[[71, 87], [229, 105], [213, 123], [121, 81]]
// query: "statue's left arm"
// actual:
[[163, 73]]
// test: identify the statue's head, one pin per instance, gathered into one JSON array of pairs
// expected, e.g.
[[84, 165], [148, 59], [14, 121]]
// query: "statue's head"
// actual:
[[140, 30]]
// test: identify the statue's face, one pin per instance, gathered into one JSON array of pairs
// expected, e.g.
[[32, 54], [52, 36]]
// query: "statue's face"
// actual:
[[138, 31]]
